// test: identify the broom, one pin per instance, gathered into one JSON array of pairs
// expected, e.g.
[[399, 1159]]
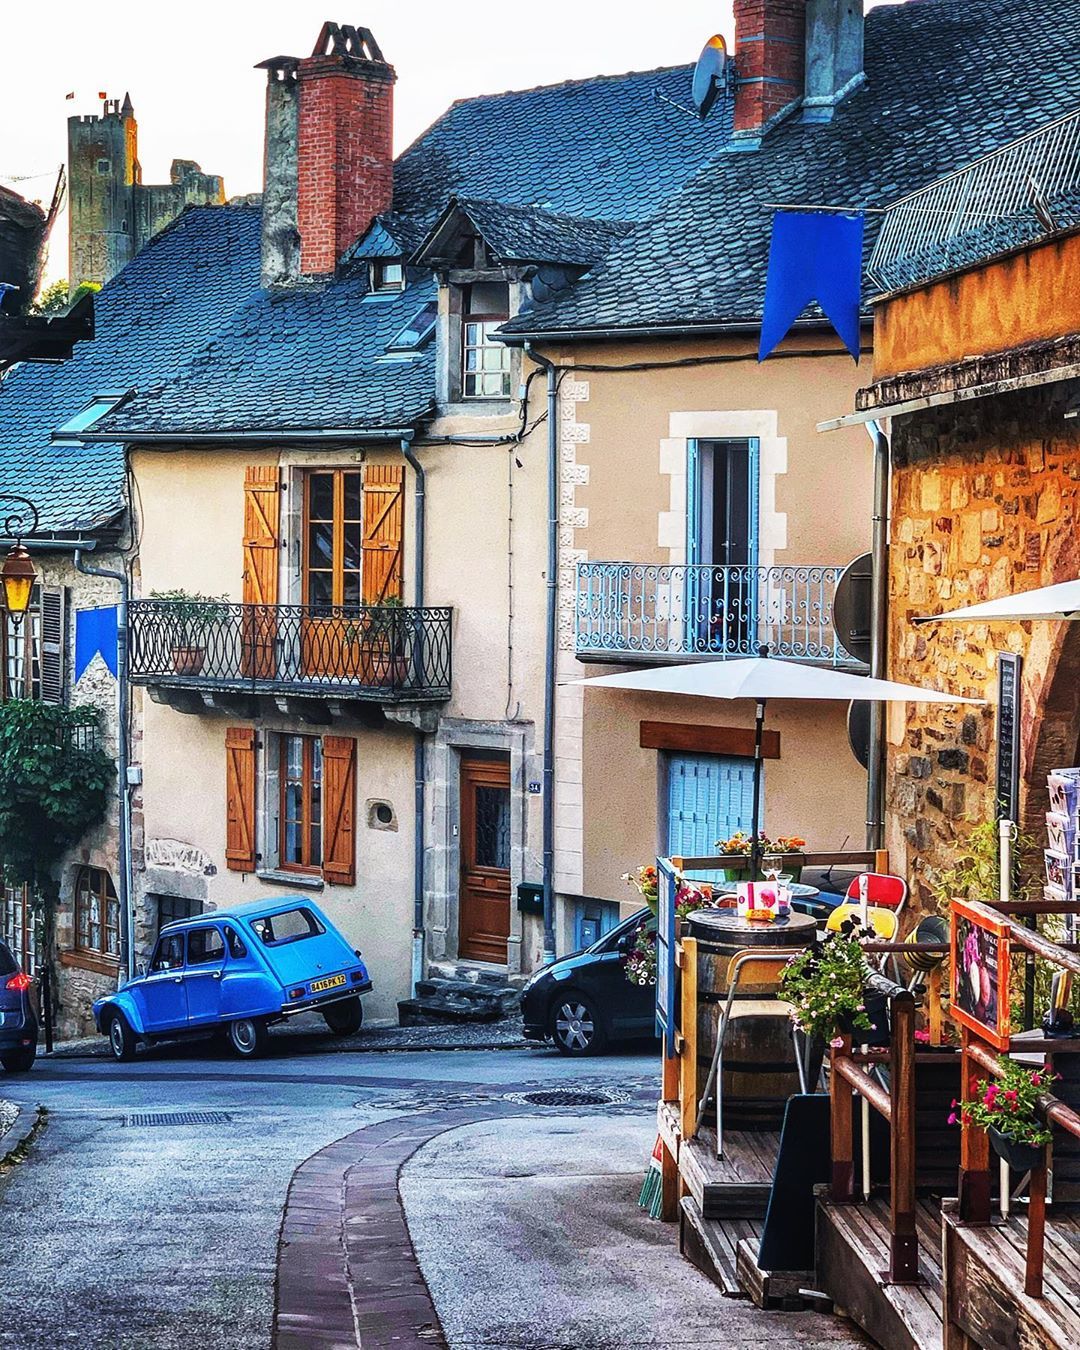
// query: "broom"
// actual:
[[652, 1188]]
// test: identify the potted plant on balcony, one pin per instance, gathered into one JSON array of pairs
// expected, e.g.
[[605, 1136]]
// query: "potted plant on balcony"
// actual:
[[739, 845], [379, 650], [189, 619], [1007, 1111]]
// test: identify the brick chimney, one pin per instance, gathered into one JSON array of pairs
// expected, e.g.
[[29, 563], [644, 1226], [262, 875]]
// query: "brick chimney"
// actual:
[[329, 162], [345, 158], [770, 55]]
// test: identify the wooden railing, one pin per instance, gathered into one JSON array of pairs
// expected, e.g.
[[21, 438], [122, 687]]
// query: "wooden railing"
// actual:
[[978, 1060], [897, 1106]]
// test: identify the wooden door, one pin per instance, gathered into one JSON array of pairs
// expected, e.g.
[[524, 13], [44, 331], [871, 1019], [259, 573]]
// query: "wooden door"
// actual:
[[484, 903]]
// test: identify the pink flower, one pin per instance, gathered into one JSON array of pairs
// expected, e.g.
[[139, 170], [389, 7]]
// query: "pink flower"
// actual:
[[837, 1042], [1036, 1078], [923, 1037], [953, 1117]]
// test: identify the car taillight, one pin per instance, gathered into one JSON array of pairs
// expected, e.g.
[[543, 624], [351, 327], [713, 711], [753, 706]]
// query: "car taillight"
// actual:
[[296, 993], [19, 982]]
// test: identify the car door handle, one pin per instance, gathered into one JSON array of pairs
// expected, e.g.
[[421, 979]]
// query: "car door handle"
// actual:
[[178, 979], [217, 975]]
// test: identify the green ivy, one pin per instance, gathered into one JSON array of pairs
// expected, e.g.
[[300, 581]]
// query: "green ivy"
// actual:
[[52, 788]]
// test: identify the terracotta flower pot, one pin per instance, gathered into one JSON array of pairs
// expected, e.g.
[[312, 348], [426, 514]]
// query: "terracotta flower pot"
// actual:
[[1020, 1157], [188, 660]]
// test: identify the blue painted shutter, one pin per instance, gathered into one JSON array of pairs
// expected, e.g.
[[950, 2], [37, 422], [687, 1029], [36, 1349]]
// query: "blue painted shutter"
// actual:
[[709, 798]]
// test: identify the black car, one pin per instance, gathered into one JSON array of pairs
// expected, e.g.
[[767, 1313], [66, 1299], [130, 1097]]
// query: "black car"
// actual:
[[18, 1019], [583, 1002]]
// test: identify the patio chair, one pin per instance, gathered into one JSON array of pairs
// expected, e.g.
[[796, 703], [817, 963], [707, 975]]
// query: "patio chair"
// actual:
[[761, 970], [882, 889], [884, 922]]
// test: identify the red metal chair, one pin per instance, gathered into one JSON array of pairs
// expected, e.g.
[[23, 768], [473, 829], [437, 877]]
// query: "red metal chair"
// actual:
[[882, 890]]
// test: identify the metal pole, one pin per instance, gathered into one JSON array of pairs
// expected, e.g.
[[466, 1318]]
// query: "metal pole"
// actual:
[[550, 648], [755, 829], [419, 776], [879, 617]]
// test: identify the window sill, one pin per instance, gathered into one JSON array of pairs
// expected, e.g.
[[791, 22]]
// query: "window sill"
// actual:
[[302, 880], [95, 961]]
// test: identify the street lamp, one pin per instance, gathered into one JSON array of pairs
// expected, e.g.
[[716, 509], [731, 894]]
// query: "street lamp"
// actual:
[[18, 573]]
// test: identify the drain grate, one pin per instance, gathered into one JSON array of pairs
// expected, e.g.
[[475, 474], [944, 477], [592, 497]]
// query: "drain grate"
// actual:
[[178, 1118], [567, 1097]]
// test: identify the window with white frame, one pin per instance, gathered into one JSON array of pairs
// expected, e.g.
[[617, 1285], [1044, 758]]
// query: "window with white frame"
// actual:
[[485, 362]]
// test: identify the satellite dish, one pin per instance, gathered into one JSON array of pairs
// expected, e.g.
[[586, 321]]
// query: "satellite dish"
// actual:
[[851, 608], [710, 75], [858, 730]]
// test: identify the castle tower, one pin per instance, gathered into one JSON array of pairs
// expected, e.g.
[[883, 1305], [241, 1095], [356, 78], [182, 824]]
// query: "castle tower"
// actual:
[[103, 171]]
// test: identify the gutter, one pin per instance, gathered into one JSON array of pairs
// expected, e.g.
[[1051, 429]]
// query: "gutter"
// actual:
[[123, 787], [550, 648], [226, 437], [751, 328], [879, 632], [418, 743]]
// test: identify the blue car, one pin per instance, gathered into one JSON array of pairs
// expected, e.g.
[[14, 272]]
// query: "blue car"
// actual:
[[237, 971]]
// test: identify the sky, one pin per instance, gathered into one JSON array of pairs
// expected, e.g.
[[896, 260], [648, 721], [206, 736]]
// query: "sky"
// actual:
[[189, 68]]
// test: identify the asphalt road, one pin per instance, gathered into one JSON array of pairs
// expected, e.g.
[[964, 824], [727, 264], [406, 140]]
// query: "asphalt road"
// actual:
[[120, 1234]]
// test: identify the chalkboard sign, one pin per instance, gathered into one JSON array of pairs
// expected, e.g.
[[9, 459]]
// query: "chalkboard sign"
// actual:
[[1008, 736]]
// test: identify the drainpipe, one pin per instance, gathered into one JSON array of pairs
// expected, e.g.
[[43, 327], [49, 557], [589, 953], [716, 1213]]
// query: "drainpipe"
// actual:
[[127, 915], [550, 648], [418, 744], [879, 617]]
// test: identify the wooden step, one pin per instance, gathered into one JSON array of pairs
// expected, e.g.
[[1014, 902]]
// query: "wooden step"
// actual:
[[710, 1245]]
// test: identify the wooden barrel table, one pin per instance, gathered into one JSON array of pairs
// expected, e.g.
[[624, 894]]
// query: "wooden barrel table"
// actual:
[[760, 1072]]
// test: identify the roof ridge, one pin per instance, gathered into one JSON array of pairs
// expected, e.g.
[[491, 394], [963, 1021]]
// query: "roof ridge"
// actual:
[[566, 84]]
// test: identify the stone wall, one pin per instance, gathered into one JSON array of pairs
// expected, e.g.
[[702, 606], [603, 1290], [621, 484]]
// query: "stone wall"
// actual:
[[984, 503]]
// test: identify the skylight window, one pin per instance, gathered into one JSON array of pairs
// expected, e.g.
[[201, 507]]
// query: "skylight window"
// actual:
[[87, 416], [417, 331]]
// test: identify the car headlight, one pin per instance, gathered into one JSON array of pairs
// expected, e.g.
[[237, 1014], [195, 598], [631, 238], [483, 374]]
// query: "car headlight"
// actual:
[[534, 979]]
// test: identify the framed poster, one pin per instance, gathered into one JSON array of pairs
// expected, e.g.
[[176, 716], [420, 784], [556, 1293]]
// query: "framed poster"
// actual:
[[980, 973], [1008, 736]]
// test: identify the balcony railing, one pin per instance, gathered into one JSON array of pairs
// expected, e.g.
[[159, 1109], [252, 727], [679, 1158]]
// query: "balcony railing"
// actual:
[[638, 610], [385, 653]]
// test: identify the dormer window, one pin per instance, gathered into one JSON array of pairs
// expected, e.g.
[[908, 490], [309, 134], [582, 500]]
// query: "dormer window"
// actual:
[[387, 274], [485, 362], [85, 418]]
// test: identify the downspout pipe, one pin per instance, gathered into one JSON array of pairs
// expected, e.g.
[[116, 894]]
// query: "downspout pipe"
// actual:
[[419, 497], [550, 647], [123, 787], [879, 620]]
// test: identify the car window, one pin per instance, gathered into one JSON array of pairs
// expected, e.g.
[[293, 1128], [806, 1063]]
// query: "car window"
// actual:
[[205, 945], [290, 926], [8, 964], [236, 942], [170, 953]]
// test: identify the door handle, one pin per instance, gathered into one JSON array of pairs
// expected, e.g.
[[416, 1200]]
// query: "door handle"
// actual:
[[217, 975], [178, 979]]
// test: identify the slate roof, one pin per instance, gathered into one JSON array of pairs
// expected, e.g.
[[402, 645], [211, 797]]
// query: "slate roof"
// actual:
[[947, 81], [533, 234], [150, 320]]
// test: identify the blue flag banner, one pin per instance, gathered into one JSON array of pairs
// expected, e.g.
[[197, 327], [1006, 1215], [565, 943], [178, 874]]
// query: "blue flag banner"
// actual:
[[815, 255], [95, 631]]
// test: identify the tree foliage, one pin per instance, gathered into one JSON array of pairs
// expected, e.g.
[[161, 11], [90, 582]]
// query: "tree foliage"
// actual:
[[54, 786], [54, 300]]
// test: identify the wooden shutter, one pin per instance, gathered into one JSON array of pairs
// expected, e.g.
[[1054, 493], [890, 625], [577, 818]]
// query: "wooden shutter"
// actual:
[[384, 532], [339, 810], [240, 799], [262, 519], [52, 644]]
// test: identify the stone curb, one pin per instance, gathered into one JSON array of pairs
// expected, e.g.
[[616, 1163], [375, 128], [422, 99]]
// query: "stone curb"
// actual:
[[102, 1052], [27, 1123]]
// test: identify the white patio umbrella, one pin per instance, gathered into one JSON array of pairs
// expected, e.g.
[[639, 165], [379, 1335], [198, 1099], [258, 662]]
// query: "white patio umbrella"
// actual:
[[1061, 601], [762, 678]]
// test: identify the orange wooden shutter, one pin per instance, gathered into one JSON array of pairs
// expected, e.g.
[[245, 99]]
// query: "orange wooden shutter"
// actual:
[[262, 517], [339, 810], [384, 531], [240, 799]]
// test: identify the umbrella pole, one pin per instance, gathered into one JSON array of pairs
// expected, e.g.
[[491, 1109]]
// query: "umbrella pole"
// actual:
[[755, 815]]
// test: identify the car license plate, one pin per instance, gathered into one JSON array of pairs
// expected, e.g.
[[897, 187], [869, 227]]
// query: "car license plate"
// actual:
[[317, 986]]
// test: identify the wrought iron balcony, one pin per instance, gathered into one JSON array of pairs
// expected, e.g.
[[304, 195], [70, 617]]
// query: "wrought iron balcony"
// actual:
[[640, 611], [386, 654]]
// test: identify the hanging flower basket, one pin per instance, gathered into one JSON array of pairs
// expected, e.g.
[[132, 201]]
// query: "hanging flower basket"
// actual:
[[1021, 1157]]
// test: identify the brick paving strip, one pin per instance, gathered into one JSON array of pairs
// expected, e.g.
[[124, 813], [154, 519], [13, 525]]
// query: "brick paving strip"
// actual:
[[18, 1125], [347, 1275]]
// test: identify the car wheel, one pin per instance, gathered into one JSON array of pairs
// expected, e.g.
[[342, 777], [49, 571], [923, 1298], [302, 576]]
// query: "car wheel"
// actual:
[[20, 1061], [121, 1038], [576, 1026], [344, 1018], [248, 1037]]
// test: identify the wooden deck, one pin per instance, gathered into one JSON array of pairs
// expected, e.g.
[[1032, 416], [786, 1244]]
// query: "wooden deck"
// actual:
[[852, 1253], [985, 1303]]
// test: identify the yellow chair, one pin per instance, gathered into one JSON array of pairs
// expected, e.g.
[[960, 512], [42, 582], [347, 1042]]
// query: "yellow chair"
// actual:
[[884, 922]]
